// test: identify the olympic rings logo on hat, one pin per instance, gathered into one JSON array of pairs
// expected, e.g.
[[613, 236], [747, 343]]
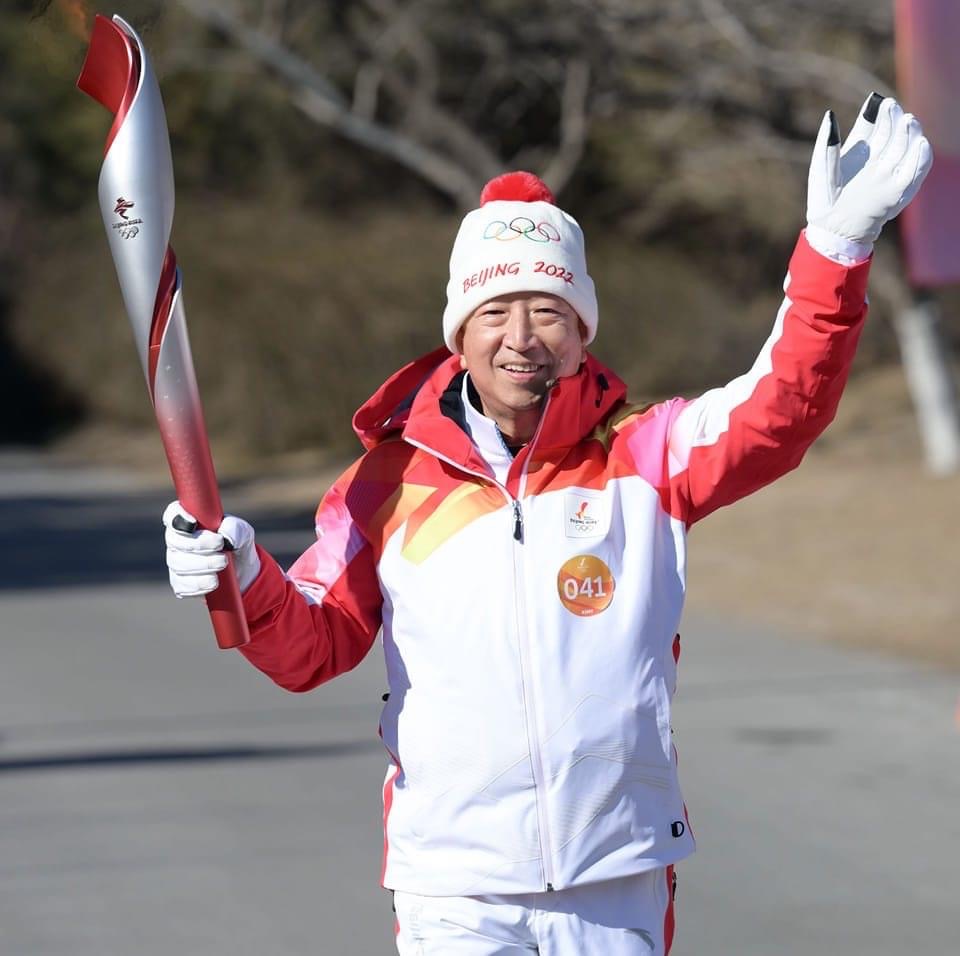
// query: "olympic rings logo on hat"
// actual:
[[521, 226]]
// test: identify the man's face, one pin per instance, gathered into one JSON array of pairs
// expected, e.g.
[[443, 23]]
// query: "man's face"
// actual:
[[514, 348]]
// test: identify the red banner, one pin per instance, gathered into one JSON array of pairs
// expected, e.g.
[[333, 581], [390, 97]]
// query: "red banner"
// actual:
[[928, 80]]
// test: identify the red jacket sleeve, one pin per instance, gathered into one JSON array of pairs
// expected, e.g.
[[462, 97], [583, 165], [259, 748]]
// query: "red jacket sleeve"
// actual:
[[321, 618], [732, 440]]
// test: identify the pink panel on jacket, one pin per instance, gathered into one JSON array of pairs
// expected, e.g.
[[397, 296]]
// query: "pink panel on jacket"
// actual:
[[338, 542], [649, 440]]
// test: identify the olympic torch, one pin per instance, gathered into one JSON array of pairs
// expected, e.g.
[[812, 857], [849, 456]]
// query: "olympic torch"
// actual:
[[136, 201]]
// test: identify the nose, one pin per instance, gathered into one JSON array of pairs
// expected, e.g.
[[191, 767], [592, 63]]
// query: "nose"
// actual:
[[519, 334]]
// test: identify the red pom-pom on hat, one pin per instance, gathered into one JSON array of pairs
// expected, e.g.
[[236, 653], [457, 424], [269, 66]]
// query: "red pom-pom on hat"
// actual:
[[517, 187]]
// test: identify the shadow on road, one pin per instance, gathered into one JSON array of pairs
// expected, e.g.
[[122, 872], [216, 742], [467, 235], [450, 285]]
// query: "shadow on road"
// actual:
[[55, 541], [164, 756]]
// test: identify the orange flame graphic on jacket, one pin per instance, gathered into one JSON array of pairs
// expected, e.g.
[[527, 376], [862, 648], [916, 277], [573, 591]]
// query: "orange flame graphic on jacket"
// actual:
[[582, 511]]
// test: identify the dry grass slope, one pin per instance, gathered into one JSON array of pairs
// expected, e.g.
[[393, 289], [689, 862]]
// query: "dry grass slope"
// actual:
[[858, 545]]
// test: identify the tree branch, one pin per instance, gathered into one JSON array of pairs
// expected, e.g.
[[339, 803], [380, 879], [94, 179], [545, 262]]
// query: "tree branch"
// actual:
[[795, 67], [574, 126], [418, 97], [366, 90], [446, 176], [319, 99]]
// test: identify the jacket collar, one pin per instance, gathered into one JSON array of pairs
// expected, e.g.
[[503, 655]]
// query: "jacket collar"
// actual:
[[415, 403]]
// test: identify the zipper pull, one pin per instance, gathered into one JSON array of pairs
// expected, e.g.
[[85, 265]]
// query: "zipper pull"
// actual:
[[517, 522]]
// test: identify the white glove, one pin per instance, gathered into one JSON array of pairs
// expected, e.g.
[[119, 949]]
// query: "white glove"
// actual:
[[853, 189], [194, 557]]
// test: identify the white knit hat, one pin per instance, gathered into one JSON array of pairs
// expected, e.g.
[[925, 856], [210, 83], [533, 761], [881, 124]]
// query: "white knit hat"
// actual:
[[519, 240]]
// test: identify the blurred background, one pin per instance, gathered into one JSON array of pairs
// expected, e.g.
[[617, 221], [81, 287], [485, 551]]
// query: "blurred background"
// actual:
[[324, 153]]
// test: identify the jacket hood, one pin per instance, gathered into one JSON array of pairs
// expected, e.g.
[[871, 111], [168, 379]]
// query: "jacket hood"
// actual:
[[410, 405], [387, 410]]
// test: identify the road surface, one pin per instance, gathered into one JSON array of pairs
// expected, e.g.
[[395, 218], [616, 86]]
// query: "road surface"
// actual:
[[159, 796]]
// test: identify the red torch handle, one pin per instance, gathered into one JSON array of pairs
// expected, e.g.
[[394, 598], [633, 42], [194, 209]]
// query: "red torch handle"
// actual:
[[225, 604], [226, 612], [191, 466]]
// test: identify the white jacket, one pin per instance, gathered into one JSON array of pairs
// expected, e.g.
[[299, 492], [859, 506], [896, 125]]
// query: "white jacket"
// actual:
[[529, 627]]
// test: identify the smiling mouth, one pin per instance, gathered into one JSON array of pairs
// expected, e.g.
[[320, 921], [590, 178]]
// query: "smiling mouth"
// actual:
[[521, 368]]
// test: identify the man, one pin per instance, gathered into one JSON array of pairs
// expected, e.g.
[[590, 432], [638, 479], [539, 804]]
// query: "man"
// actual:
[[518, 532]]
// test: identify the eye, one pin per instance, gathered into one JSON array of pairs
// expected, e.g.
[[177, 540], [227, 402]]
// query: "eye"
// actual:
[[491, 312]]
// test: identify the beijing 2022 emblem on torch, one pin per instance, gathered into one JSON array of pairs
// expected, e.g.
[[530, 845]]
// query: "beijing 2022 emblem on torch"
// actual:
[[136, 200]]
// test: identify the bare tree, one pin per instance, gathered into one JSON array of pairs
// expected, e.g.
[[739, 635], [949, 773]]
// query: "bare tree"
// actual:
[[780, 71], [722, 86], [395, 104], [418, 81]]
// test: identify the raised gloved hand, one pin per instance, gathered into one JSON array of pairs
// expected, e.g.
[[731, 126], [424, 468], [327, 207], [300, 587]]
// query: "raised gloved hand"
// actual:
[[853, 189], [194, 557]]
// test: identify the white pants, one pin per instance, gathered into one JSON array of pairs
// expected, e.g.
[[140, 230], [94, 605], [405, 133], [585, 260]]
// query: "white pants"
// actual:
[[626, 917]]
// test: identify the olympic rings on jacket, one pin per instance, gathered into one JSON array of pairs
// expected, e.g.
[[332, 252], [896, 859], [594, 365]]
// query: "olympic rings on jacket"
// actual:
[[521, 226]]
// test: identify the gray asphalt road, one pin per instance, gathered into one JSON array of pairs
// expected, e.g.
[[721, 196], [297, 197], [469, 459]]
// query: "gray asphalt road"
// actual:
[[159, 796]]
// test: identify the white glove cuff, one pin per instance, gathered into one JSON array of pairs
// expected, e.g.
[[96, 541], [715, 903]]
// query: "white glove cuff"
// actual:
[[246, 561], [247, 570], [845, 252]]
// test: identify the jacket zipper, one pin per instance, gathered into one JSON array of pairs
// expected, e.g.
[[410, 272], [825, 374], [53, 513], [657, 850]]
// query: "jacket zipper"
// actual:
[[533, 727], [533, 724]]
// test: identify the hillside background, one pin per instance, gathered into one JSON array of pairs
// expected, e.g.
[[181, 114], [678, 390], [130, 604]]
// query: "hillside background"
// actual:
[[314, 265]]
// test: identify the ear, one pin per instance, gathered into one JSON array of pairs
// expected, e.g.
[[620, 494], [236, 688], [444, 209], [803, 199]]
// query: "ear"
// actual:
[[583, 339], [463, 362], [458, 339]]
